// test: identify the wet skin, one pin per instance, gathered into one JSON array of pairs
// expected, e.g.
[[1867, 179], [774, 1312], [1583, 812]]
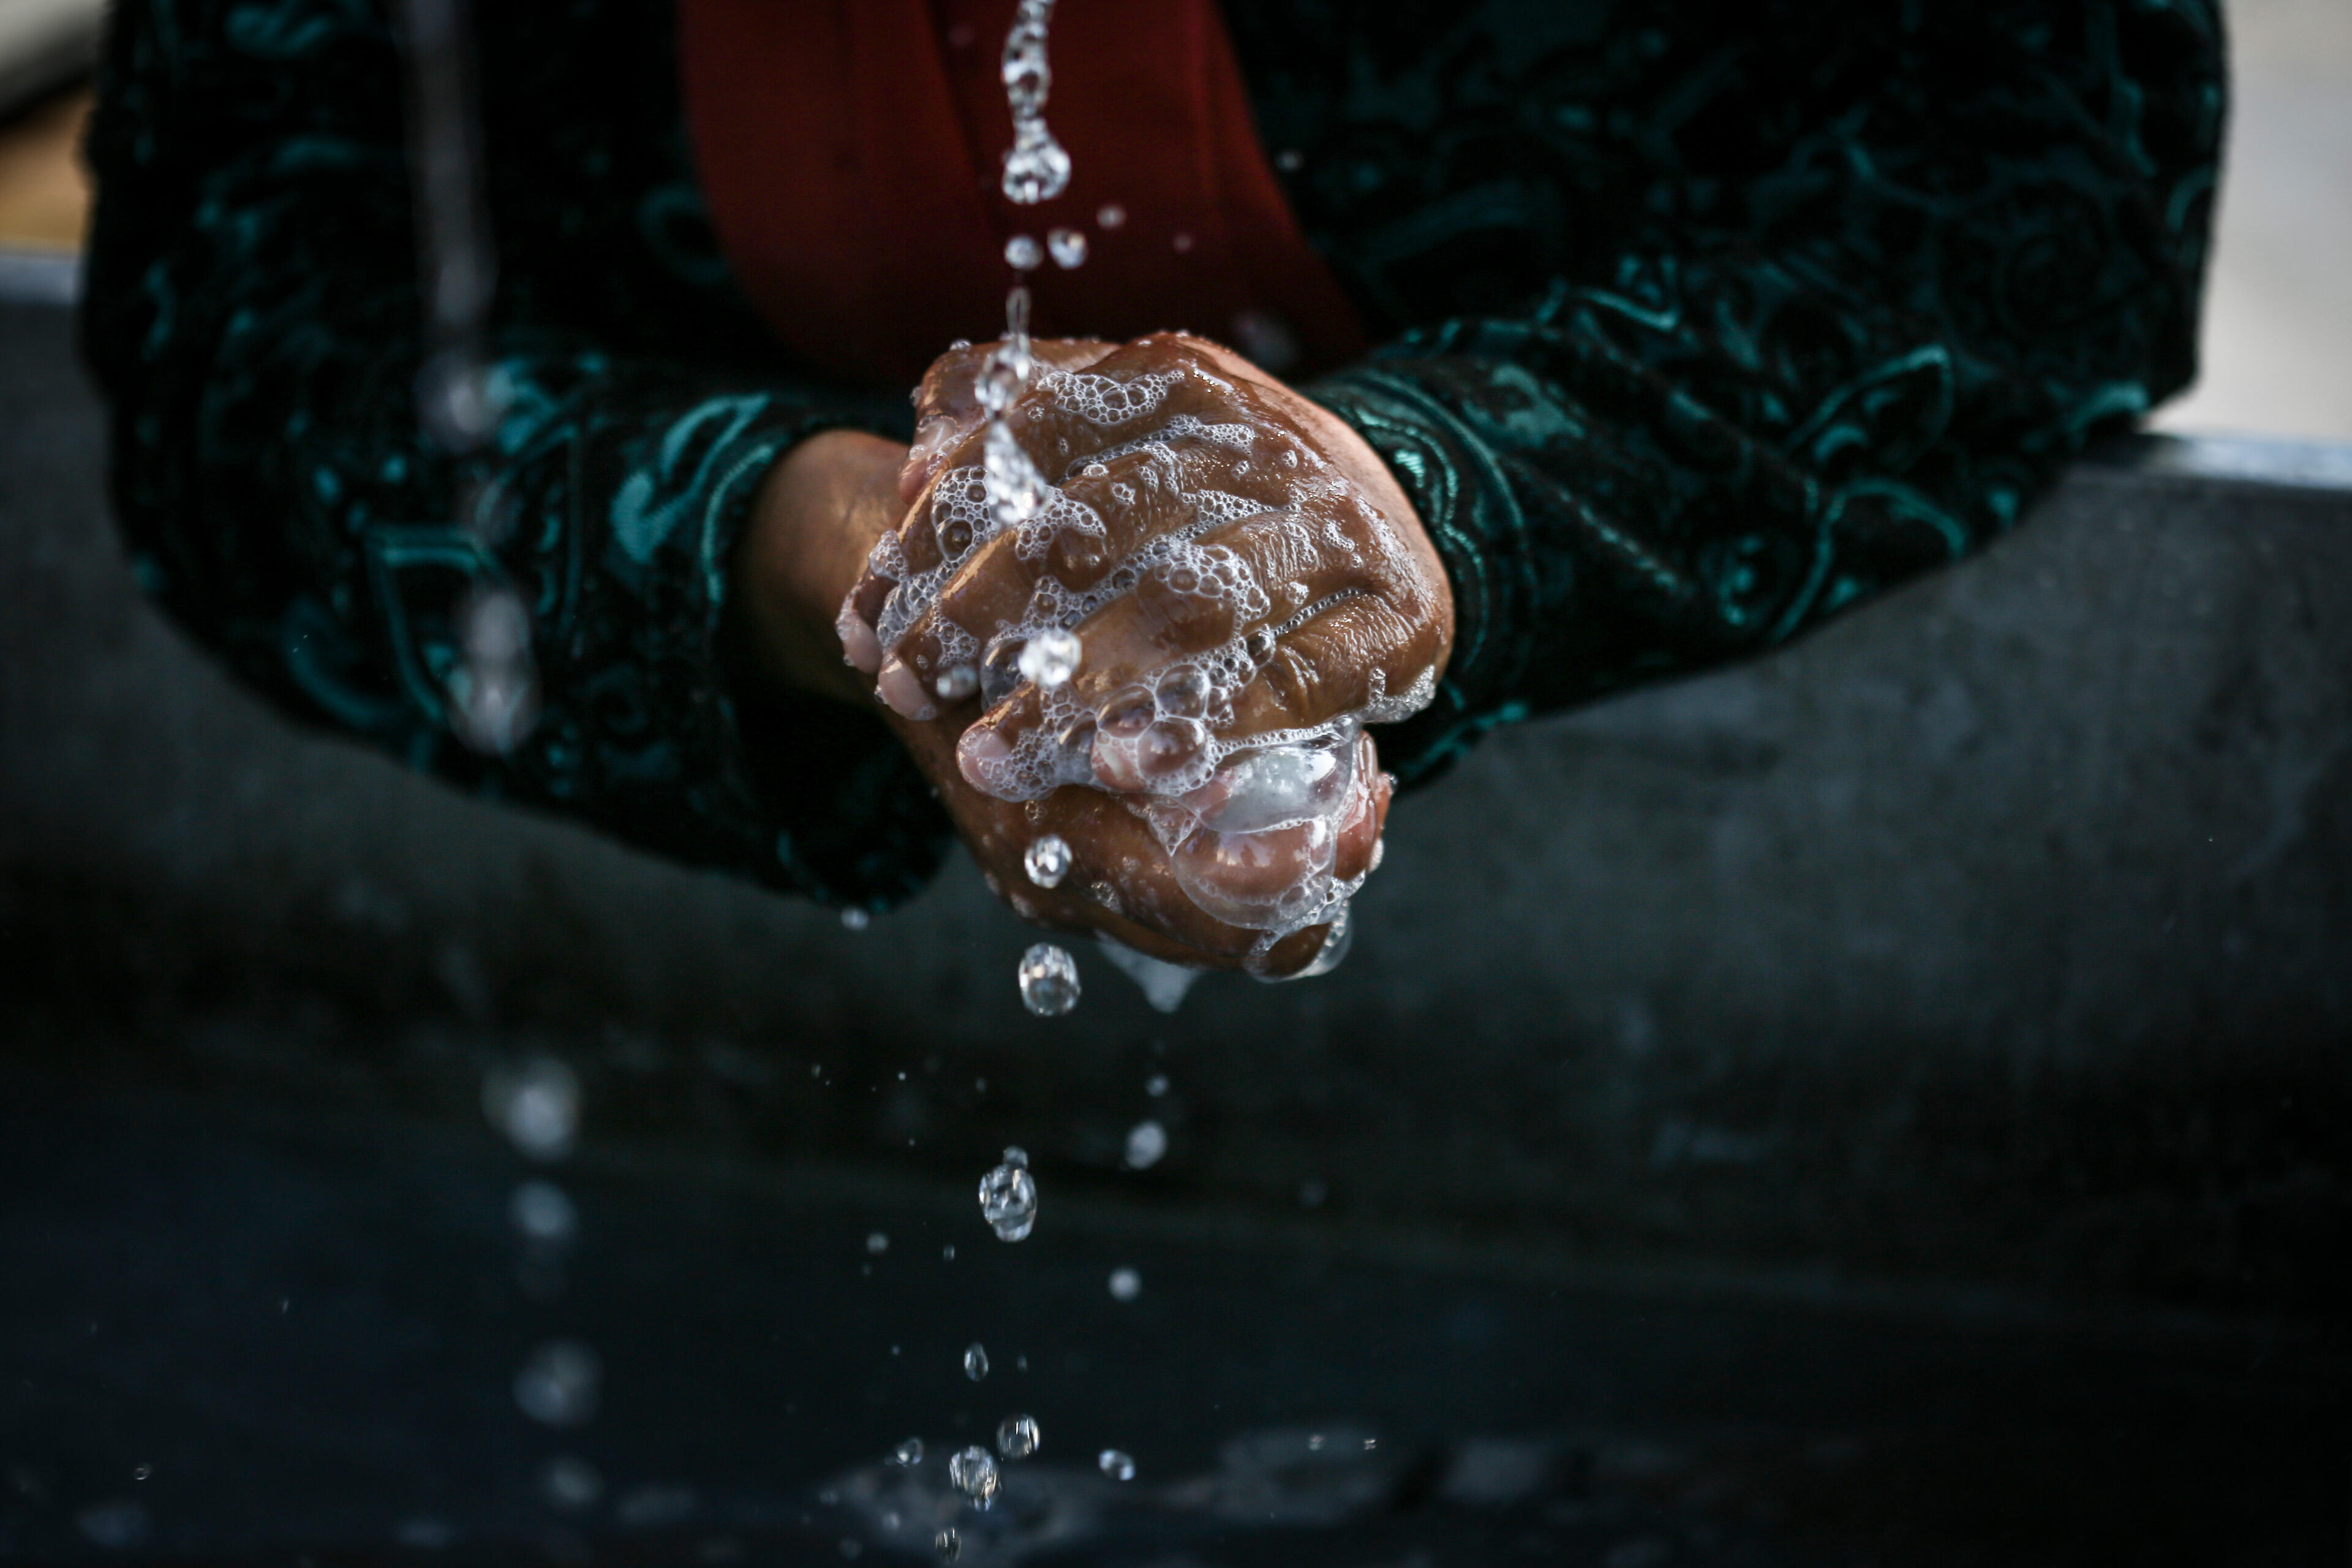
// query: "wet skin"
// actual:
[[1354, 604]]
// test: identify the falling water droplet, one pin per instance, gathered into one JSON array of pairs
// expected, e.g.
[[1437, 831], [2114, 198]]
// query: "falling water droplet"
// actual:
[[570, 1484], [1069, 246], [1023, 254], [1048, 861], [856, 918], [908, 1453], [1008, 1201], [1146, 1142], [543, 1212], [975, 1360], [1017, 1436], [1155, 1085], [1049, 981], [973, 1472], [948, 1544], [1110, 215], [1126, 1284], [1015, 490], [1118, 1467], [558, 1385], [876, 1243], [1051, 657], [1036, 167], [956, 682], [536, 1105]]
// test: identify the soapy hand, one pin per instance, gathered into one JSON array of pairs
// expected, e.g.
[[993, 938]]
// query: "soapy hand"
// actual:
[[1212, 585]]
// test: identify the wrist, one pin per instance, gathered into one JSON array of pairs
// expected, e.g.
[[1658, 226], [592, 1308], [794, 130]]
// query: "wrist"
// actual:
[[817, 516]]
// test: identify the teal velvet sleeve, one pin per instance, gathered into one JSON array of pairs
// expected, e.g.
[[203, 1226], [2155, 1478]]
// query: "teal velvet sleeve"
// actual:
[[1713, 321], [252, 317], [1701, 322]]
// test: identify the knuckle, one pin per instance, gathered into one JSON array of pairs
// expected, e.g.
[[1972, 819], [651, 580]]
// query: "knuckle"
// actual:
[[1293, 678]]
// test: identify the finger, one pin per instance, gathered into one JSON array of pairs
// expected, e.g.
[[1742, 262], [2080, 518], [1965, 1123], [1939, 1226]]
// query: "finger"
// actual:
[[1104, 519], [1360, 654], [1118, 883], [1135, 392], [1201, 612], [947, 403], [1359, 834], [1167, 390]]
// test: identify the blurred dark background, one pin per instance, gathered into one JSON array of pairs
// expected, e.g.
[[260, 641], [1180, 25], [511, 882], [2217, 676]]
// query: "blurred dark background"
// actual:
[[1885, 1103]]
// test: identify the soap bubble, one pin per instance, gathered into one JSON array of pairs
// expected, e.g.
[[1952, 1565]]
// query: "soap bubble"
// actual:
[[536, 1104], [1017, 1436], [558, 1385], [1069, 246], [973, 1472], [975, 1360], [1049, 981], [1022, 253], [948, 1544], [908, 1453], [1118, 1467], [543, 1212], [1146, 1143], [1047, 860], [1051, 657], [1126, 1284], [1008, 1201]]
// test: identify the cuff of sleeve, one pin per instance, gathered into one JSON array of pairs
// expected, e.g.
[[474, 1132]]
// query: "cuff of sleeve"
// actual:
[[642, 729], [1471, 515]]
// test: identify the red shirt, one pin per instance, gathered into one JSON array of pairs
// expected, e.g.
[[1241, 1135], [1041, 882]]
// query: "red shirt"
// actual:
[[851, 155]]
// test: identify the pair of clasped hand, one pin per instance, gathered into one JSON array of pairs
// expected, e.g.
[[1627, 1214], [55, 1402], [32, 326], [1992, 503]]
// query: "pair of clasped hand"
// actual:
[[1354, 605]]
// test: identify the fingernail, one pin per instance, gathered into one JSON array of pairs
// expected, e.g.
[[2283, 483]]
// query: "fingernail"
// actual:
[[860, 646], [981, 752], [904, 693]]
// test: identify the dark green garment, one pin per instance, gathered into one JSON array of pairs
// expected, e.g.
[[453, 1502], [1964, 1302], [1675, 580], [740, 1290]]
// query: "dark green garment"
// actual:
[[1701, 323]]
